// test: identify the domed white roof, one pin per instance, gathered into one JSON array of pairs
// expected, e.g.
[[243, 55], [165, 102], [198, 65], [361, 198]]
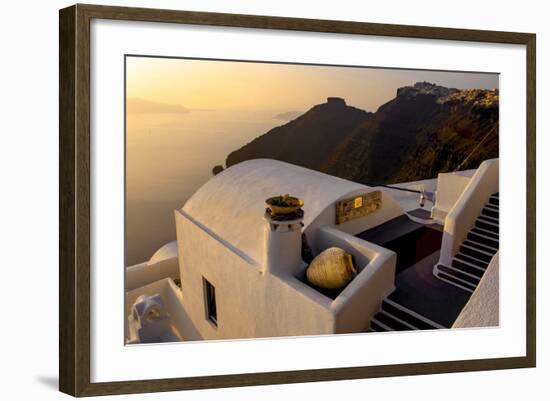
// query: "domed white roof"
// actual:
[[232, 203], [167, 251]]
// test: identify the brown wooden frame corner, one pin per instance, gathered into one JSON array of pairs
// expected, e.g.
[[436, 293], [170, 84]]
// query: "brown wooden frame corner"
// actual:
[[74, 198]]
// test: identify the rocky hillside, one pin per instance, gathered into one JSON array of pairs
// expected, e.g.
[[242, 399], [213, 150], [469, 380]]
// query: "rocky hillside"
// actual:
[[424, 130], [309, 140]]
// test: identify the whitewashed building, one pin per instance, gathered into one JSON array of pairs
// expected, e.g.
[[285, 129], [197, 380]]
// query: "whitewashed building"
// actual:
[[242, 275]]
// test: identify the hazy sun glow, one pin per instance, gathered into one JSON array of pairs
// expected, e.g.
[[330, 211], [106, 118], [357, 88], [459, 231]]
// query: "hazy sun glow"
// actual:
[[183, 117], [230, 85]]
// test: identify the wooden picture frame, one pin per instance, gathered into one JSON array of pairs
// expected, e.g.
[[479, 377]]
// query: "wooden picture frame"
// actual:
[[74, 199]]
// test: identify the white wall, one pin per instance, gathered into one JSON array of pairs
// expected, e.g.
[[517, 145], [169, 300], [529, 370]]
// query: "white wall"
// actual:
[[464, 213], [254, 303], [388, 210], [449, 188], [147, 272], [171, 296], [29, 160], [362, 298], [249, 304], [482, 309]]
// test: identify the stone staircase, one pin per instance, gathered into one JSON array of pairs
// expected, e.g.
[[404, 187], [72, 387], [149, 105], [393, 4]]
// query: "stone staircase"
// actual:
[[465, 272], [476, 251], [393, 316]]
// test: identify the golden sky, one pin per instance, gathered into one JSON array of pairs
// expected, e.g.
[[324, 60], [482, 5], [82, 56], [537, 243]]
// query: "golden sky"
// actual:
[[165, 84], [185, 116]]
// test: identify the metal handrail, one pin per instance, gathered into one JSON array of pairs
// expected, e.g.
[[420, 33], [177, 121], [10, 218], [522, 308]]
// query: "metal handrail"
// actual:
[[398, 188]]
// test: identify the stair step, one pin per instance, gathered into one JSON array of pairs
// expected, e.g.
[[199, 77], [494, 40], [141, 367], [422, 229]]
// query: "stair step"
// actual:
[[481, 264], [488, 211], [486, 225], [489, 219], [464, 249], [388, 320], [483, 240], [378, 326], [491, 235], [487, 233], [491, 213], [482, 247], [473, 261], [474, 281], [457, 283], [476, 251], [402, 313], [467, 268]]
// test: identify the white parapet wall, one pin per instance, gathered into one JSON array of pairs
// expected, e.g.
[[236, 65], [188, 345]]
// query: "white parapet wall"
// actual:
[[463, 214], [163, 264], [450, 187], [172, 299], [389, 210], [362, 298]]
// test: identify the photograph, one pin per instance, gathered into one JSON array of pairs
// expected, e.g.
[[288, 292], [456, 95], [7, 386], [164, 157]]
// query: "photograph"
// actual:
[[271, 199]]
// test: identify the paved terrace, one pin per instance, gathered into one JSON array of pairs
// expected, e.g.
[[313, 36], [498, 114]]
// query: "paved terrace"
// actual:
[[417, 247]]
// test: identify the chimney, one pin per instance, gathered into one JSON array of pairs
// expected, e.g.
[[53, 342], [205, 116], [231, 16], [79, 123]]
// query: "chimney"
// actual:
[[283, 243]]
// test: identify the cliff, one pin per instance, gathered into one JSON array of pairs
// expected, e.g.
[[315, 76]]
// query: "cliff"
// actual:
[[426, 129], [308, 140]]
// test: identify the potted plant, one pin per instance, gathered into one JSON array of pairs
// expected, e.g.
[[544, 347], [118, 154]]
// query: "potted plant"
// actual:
[[284, 204]]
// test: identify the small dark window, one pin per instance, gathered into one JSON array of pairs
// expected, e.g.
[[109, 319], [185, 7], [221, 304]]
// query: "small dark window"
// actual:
[[210, 301]]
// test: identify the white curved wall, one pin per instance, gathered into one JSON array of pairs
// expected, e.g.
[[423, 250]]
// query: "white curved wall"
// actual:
[[462, 216], [146, 273], [232, 203], [167, 251]]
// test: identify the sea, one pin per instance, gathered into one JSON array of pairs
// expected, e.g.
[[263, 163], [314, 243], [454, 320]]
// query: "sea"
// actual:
[[168, 157]]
